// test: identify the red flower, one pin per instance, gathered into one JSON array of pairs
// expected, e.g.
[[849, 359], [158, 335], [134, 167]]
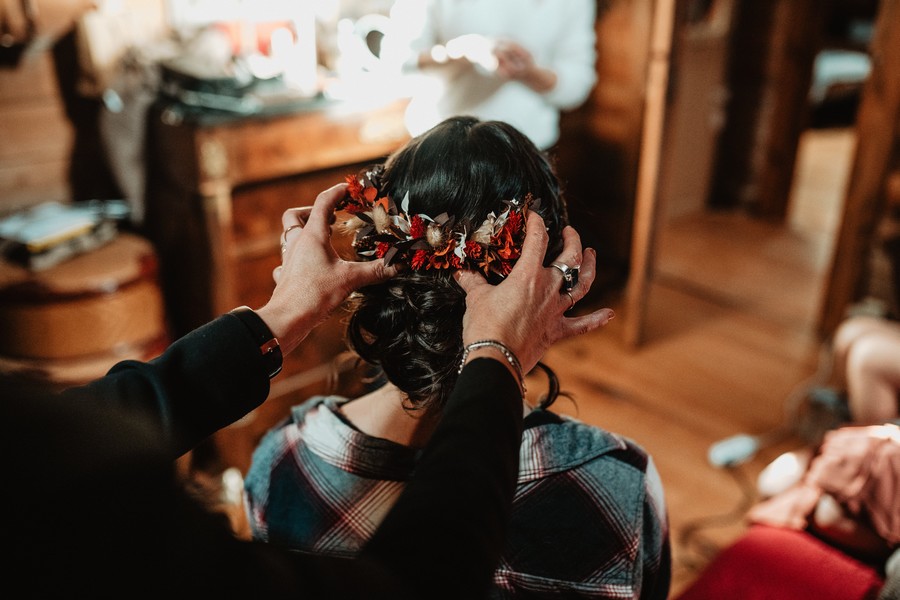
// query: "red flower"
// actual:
[[473, 249], [417, 227], [381, 249], [515, 221], [419, 259]]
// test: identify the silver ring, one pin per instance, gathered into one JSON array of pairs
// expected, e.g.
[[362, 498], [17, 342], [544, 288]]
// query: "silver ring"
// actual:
[[570, 276], [572, 298], [285, 232]]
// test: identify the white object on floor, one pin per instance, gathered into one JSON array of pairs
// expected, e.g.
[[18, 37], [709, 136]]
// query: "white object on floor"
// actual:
[[782, 473]]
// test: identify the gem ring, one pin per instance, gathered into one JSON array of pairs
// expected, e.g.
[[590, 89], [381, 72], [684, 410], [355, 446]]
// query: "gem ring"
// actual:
[[570, 276]]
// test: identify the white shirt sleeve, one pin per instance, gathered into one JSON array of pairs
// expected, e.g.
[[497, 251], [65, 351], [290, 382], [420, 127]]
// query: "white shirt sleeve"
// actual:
[[575, 57]]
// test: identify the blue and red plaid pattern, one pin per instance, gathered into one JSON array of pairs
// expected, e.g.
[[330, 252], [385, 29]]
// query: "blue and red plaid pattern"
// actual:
[[588, 520]]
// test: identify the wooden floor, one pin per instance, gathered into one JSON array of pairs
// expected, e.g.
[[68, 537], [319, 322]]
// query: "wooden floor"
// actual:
[[731, 346]]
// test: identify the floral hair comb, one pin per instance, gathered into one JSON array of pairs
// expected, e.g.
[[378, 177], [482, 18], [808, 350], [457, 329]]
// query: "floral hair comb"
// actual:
[[382, 230]]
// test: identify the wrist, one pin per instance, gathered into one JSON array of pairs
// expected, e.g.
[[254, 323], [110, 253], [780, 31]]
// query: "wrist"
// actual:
[[289, 326], [541, 80], [494, 349], [263, 337]]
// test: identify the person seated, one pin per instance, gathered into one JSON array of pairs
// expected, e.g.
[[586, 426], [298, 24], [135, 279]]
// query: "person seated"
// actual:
[[843, 489], [589, 517], [97, 509], [864, 389]]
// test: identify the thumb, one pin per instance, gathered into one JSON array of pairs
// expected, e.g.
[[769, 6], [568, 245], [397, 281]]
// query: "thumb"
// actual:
[[469, 281], [370, 272]]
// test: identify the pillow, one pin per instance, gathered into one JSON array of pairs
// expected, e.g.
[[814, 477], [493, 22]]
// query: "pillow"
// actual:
[[773, 563]]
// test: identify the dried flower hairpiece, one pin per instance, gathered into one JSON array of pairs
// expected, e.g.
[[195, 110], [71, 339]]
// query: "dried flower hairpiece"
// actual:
[[423, 242]]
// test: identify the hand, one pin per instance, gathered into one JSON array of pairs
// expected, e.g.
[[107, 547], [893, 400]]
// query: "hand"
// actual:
[[526, 310], [474, 48], [515, 62], [313, 280]]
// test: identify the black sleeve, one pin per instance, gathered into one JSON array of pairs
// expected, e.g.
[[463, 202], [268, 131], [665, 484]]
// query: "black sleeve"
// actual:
[[203, 382], [132, 522], [447, 530]]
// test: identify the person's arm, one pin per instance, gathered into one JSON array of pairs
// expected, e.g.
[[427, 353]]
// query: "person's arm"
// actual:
[[219, 372]]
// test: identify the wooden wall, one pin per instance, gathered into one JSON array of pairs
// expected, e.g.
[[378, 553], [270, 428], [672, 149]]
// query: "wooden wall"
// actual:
[[600, 142], [36, 135]]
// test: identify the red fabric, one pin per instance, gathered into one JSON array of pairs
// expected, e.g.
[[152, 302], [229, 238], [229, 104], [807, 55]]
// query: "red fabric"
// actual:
[[772, 563]]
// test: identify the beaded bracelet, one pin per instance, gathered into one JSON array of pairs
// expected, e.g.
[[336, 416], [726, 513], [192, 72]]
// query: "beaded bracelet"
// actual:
[[507, 353]]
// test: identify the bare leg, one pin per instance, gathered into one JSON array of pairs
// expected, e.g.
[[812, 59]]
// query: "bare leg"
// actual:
[[848, 333], [873, 375]]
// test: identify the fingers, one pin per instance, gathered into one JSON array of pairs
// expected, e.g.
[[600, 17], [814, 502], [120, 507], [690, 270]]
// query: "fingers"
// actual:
[[295, 217], [368, 273], [469, 281], [575, 326], [586, 275], [316, 219], [571, 254], [534, 246], [322, 214]]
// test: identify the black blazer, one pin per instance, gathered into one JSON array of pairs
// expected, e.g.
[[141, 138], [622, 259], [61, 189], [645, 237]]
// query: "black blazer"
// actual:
[[95, 505]]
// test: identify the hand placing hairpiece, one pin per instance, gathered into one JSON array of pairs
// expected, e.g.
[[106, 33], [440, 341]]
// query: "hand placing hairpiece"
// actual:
[[382, 230], [532, 289]]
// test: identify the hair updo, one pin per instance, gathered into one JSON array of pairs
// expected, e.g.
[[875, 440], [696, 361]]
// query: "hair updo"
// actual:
[[411, 325]]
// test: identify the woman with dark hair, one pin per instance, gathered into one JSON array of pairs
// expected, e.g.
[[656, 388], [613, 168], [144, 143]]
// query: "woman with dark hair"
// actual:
[[589, 518]]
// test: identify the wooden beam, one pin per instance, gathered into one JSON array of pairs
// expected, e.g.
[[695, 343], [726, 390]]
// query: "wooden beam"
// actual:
[[878, 144], [646, 215]]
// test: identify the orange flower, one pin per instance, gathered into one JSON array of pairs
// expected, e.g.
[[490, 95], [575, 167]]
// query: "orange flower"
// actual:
[[354, 187], [445, 257], [507, 245]]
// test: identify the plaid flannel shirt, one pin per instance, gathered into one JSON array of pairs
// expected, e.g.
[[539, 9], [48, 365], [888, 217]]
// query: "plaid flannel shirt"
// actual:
[[588, 519]]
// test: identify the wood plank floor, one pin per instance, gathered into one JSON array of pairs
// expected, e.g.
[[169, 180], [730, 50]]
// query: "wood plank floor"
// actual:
[[731, 346]]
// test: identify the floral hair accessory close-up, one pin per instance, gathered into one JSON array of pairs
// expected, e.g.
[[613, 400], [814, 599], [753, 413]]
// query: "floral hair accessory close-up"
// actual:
[[382, 230]]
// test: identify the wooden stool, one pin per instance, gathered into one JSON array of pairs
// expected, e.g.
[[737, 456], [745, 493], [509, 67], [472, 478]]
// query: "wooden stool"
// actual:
[[69, 324]]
